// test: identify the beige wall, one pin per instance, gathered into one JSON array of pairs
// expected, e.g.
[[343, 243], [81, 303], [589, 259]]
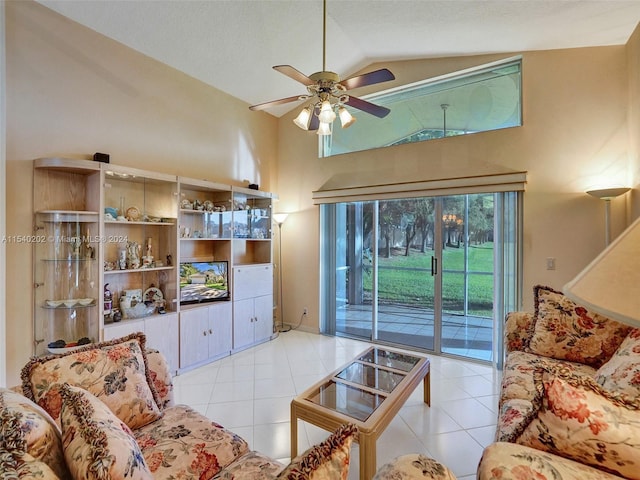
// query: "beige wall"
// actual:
[[72, 92], [574, 137], [633, 62]]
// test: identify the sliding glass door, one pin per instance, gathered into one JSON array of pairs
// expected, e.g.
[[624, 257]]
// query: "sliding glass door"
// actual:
[[405, 262], [416, 272], [468, 275]]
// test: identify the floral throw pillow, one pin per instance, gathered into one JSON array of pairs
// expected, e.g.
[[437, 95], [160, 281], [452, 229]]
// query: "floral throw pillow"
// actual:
[[16, 465], [567, 331], [414, 465], [622, 371], [580, 420], [116, 372], [25, 428], [328, 460], [97, 444]]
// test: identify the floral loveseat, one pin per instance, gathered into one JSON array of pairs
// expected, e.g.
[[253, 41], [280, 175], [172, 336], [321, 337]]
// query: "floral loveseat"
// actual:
[[107, 411], [569, 406]]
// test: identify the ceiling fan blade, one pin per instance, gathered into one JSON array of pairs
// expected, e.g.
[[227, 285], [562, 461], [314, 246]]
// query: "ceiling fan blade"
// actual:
[[262, 106], [315, 122], [368, 107], [377, 76], [297, 75]]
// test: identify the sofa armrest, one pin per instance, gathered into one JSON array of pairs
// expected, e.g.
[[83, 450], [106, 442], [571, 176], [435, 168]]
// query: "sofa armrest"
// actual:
[[518, 329], [161, 376], [510, 461]]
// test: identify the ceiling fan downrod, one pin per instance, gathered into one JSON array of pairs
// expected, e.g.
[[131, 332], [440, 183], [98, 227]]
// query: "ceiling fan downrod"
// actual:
[[324, 35]]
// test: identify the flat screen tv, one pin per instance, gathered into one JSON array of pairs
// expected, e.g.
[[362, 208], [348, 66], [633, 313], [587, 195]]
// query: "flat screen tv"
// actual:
[[203, 282]]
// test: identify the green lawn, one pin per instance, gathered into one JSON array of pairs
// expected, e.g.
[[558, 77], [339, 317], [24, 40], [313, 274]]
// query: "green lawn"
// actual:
[[407, 280]]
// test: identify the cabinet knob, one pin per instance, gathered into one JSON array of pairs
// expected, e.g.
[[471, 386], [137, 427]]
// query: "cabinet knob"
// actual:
[[210, 332], [204, 333]]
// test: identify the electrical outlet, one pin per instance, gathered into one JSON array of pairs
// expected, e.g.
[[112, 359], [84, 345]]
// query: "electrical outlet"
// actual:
[[305, 310]]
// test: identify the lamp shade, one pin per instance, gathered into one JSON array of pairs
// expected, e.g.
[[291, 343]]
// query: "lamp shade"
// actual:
[[279, 218], [324, 129], [608, 193], [610, 284], [346, 118], [303, 119], [326, 115]]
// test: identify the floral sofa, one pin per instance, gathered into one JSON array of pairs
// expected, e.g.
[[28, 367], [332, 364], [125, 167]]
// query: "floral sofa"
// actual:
[[569, 406], [107, 411]]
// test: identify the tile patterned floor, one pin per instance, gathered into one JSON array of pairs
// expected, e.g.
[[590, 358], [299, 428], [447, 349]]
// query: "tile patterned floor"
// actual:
[[250, 393]]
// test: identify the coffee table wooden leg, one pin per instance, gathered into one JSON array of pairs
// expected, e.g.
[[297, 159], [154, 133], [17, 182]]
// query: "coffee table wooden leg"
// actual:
[[427, 388], [367, 444], [294, 432]]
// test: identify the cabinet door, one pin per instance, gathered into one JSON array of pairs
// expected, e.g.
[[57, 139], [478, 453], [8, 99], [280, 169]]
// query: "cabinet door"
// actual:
[[220, 329], [243, 322], [194, 343], [263, 313], [252, 280], [117, 330], [162, 334]]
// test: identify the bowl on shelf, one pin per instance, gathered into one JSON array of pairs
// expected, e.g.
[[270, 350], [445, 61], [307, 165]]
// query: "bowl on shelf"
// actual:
[[138, 311], [70, 302], [54, 303], [85, 301], [60, 350]]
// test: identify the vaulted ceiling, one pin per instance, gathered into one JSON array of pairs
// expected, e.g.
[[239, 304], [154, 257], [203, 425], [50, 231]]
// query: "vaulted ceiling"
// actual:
[[232, 44]]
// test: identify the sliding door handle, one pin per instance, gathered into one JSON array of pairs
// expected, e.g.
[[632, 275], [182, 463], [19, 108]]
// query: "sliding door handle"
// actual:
[[434, 266]]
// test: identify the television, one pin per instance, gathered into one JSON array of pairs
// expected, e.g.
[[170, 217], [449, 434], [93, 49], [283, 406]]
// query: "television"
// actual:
[[203, 282]]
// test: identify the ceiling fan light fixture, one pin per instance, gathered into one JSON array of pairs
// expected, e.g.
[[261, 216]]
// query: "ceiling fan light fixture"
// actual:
[[346, 119], [324, 128], [327, 115], [303, 120]]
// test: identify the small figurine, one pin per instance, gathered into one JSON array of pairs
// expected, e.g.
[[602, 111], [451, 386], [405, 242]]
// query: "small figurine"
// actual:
[[133, 255], [169, 260], [76, 243]]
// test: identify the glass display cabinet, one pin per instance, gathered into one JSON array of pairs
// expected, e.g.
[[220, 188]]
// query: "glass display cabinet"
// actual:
[[66, 250], [251, 226]]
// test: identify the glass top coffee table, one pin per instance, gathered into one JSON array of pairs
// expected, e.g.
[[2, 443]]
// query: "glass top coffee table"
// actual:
[[368, 392]]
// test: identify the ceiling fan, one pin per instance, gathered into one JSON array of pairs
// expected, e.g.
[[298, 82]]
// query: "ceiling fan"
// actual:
[[328, 93]]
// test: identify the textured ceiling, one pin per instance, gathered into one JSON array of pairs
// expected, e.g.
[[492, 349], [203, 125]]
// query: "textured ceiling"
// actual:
[[232, 44]]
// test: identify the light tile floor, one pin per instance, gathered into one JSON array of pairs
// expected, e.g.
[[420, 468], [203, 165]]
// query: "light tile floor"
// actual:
[[250, 393]]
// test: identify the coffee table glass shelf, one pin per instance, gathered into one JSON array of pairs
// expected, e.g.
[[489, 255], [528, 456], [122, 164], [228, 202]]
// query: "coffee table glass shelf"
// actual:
[[368, 392]]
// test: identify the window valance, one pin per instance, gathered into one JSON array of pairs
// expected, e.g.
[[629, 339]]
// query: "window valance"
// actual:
[[338, 189]]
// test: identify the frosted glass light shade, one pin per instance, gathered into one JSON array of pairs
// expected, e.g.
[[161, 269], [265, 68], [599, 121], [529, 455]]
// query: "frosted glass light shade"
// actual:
[[608, 193], [303, 119], [609, 284], [326, 115], [346, 119], [324, 128], [279, 218]]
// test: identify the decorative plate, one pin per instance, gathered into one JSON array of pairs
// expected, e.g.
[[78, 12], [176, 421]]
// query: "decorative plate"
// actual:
[[153, 294], [133, 214]]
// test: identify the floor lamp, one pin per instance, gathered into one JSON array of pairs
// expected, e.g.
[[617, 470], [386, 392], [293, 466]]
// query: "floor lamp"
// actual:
[[279, 218], [608, 194]]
